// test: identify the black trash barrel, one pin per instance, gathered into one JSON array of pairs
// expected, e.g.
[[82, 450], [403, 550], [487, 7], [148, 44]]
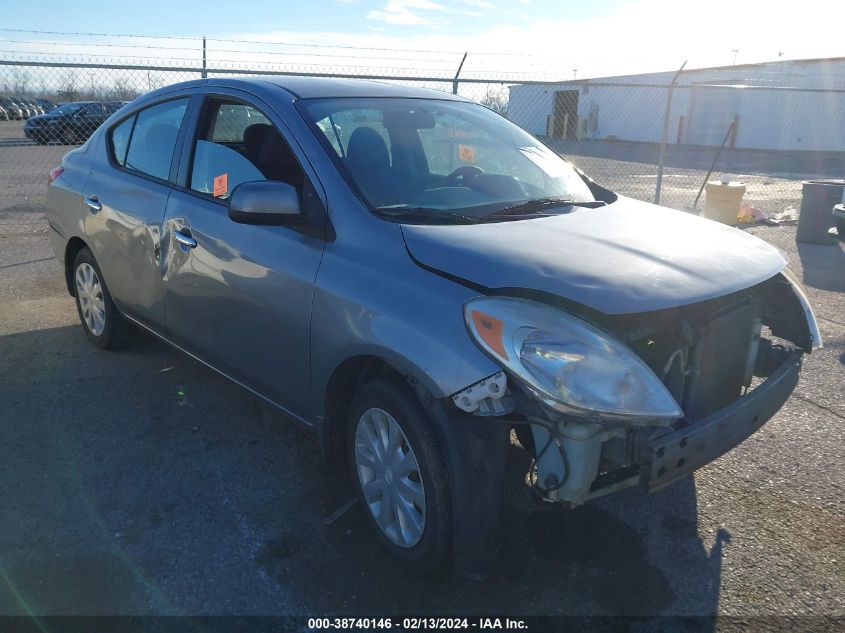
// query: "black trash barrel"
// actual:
[[818, 198], [839, 218]]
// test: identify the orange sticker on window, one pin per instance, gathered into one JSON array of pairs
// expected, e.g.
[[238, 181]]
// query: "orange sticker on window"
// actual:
[[466, 153], [221, 185]]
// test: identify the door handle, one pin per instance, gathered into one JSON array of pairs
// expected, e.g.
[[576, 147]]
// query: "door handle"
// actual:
[[184, 240], [93, 204]]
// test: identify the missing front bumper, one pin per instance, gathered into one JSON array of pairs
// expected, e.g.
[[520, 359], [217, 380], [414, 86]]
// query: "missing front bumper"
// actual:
[[673, 455]]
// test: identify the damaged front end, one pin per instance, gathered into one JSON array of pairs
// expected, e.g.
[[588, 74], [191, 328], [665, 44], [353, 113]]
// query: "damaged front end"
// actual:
[[606, 402]]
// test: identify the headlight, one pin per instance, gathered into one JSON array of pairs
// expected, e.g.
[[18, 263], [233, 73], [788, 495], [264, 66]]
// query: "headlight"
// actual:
[[571, 365]]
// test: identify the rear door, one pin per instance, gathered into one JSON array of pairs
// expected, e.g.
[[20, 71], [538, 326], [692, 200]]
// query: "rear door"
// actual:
[[125, 195], [240, 298]]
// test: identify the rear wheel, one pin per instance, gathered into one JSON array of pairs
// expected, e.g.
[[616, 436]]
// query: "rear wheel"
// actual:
[[400, 474], [103, 324]]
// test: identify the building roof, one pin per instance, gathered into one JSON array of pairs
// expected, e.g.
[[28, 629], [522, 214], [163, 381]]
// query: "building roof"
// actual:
[[770, 68], [813, 60]]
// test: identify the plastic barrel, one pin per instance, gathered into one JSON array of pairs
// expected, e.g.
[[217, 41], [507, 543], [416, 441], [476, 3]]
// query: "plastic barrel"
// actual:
[[818, 197], [722, 201]]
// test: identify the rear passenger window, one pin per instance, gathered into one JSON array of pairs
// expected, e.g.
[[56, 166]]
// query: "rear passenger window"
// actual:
[[120, 140], [145, 142], [236, 144]]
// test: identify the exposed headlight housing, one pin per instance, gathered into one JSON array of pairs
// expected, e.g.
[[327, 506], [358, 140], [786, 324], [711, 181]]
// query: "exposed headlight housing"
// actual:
[[569, 364]]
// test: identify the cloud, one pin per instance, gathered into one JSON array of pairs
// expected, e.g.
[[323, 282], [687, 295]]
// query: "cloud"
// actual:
[[405, 12], [481, 4]]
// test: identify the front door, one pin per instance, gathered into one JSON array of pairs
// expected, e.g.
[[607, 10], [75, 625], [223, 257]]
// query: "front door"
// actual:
[[239, 296]]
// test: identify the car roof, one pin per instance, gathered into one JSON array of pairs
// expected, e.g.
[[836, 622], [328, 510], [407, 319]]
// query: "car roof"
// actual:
[[319, 87], [323, 87]]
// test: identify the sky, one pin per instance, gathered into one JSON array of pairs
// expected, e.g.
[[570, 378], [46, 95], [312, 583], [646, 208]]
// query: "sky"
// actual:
[[545, 38]]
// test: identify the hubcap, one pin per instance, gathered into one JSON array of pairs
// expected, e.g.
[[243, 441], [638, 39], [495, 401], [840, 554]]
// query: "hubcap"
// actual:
[[89, 290], [390, 477]]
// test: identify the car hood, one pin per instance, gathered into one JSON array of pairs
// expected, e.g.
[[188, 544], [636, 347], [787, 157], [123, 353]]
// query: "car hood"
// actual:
[[627, 257], [41, 118]]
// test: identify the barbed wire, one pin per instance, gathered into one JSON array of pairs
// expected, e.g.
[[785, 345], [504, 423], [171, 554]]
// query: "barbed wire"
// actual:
[[220, 50], [533, 55]]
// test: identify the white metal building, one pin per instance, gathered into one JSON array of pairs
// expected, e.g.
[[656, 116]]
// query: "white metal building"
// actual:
[[808, 116]]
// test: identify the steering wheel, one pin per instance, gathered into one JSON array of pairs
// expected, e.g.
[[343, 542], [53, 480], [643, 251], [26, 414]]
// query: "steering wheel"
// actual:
[[464, 173]]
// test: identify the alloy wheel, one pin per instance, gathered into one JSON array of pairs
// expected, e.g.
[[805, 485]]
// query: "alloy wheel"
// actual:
[[92, 304], [390, 477]]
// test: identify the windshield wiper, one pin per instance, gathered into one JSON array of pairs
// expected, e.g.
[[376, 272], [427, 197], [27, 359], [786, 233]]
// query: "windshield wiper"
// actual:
[[532, 206], [426, 214]]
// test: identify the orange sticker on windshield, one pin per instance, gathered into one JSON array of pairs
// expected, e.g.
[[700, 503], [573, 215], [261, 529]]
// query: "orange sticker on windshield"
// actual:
[[466, 153], [221, 185]]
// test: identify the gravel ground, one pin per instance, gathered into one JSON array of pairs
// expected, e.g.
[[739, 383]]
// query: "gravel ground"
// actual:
[[142, 483]]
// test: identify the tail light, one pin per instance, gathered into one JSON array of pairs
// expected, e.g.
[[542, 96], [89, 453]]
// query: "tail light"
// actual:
[[54, 173]]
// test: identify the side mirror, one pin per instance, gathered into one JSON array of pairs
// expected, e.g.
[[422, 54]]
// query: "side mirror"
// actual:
[[264, 202]]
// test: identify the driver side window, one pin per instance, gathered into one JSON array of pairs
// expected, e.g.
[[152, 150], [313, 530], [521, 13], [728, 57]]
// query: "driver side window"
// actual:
[[237, 143]]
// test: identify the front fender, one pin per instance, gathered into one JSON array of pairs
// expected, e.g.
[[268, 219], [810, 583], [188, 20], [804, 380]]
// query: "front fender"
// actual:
[[406, 316]]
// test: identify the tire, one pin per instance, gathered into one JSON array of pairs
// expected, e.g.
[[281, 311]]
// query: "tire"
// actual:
[[104, 326], [375, 403]]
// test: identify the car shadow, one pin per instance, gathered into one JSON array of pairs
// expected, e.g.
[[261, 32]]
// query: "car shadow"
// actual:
[[143, 482], [626, 555], [823, 266]]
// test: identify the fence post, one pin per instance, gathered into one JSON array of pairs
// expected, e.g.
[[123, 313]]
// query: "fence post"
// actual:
[[455, 80], [204, 72], [662, 159]]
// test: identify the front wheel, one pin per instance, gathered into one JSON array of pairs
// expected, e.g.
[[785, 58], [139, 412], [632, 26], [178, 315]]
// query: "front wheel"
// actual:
[[103, 324], [400, 474]]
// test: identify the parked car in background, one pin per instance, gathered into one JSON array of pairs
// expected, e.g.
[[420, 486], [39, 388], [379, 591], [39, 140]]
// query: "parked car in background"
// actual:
[[415, 295], [12, 108], [33, 106], [26, 110], [70, 123], [46, 104], [4, 116]]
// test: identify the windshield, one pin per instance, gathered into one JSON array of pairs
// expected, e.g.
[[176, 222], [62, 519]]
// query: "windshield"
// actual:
[[68, 108], [431, 158]]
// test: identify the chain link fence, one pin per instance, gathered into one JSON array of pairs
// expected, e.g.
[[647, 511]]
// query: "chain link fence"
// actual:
[[655, 141]]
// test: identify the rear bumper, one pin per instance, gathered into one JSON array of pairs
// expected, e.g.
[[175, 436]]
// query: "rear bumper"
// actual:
[[671, 456]]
